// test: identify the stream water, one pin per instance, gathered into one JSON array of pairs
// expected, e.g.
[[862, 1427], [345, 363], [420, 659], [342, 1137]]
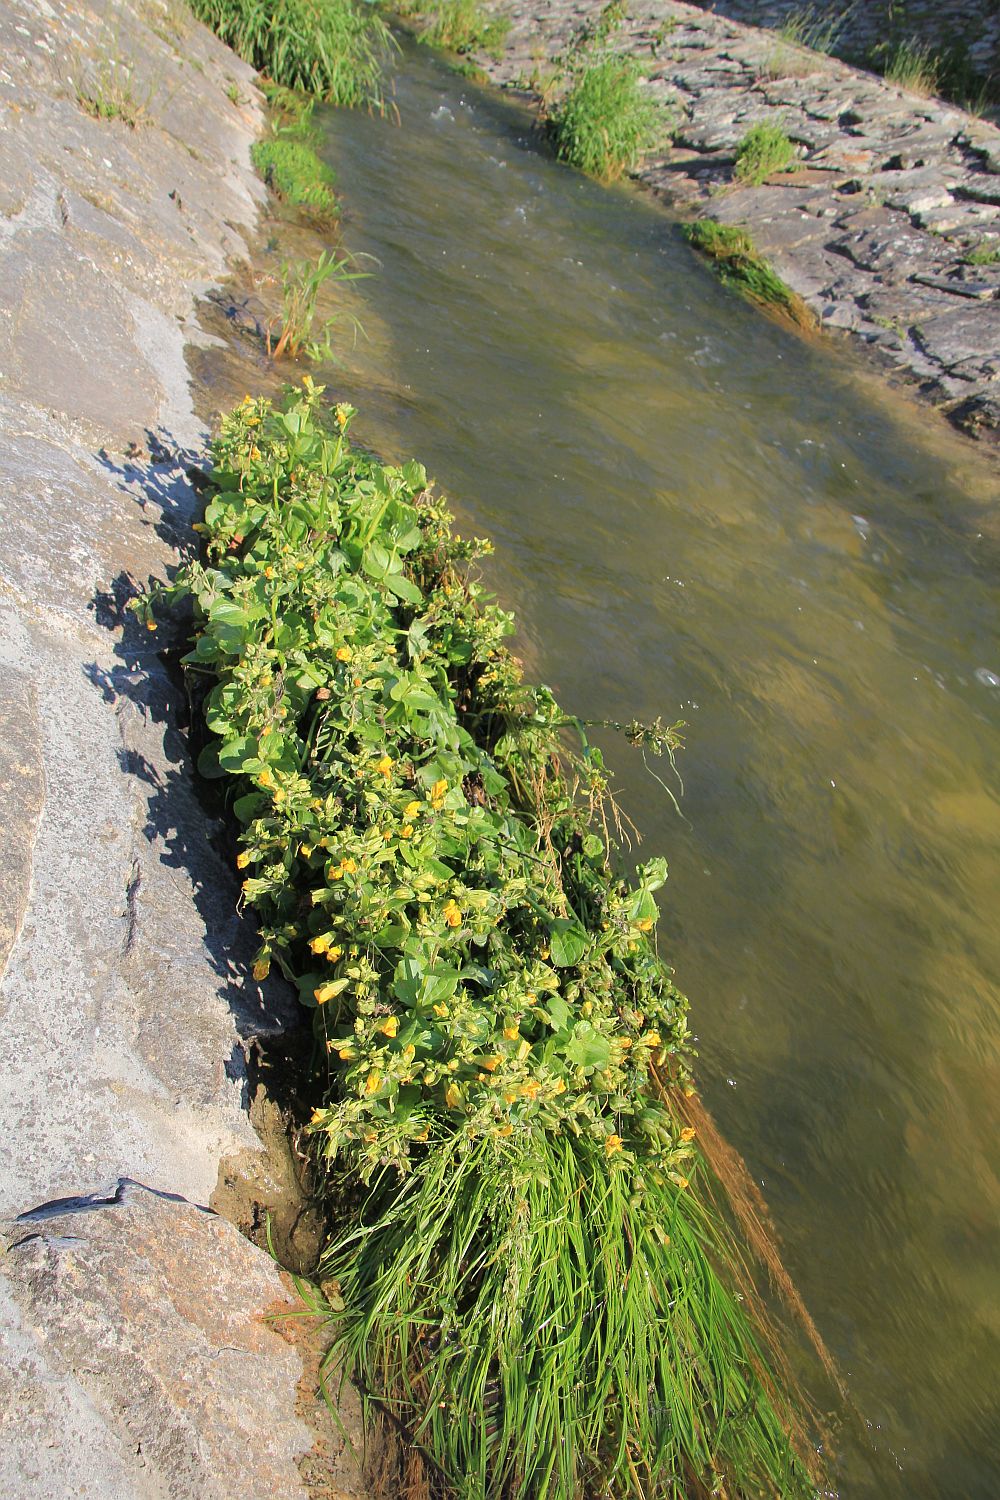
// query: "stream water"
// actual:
[[699, 515]]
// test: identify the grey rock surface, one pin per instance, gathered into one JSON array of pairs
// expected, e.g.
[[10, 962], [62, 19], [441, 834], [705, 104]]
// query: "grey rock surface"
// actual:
[[924, 173], [134, 1356], [129, 1304]]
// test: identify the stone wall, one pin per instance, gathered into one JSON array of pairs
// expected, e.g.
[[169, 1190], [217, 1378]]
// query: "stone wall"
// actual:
[[856, 29]]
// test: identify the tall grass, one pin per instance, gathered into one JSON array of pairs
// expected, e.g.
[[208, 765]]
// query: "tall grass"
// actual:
[[913, 66], [330, 48], [456, 25], [301, 283], [764, 149], [540, 1334], [605, 121]]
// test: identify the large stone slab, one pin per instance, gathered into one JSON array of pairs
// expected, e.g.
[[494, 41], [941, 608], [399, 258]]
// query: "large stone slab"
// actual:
[[152, 1323], [22, 796]]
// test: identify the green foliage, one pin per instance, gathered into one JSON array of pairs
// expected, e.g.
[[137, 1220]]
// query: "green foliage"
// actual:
[[524, 1274], [112, 94], [457, 25], [605, 121], [912, 66], [814, 27], [330, 48], [291, 111], [764, 149], [986, 253], [292, 169], [301, 282], [740, 265]]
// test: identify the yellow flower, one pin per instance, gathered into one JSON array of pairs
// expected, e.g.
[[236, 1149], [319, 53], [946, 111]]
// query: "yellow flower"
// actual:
[[334, 953], [325, 992], [373, 1082], [389, 1026], [651, 1039], [682, 1182], [646, 925], [349, 866], [243, 859], [406, 832], [408, 1053], [305, 850], [150, 624], [560, 1087], [511, 1033], [411, 809], [317, 1116], [440, 1010], [688, 1133], [344, 653], [490, 1063], [439, 788], [531, 1088], [265, 778], [321, 944], [345, 1053], [337, 872], [255, 452], [612, 1144], [453, 1096], [507, 1129], [452, 914], [261, 969], [384, 767], [269, 572]]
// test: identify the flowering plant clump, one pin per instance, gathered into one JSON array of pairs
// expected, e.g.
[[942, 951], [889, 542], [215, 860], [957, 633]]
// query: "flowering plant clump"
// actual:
[[430, 863]]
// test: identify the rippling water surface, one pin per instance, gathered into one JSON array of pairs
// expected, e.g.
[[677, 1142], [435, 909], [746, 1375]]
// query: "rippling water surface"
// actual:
[[701, 516]]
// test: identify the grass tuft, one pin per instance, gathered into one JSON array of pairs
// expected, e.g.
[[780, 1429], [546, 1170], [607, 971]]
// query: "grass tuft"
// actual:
[[301, 282], [112, 94], [332, 49], [913, 66], [605, 121], [764, 149], [459, 26], [986, 253], [292, 169], [741, 266]]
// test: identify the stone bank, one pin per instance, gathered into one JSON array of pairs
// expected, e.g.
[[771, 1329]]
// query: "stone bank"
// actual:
[[890, 196], [138, 1355]]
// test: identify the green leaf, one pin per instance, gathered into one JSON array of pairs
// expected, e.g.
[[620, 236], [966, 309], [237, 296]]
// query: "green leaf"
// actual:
[[568, 942], [208, 763], [587, 1048], [240, 755]]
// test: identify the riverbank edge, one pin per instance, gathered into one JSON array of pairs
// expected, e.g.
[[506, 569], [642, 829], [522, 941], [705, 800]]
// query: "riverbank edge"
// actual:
[[145, 1346], [889, 195]]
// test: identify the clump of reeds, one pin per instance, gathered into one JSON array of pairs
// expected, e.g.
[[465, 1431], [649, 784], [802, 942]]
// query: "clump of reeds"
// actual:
[[330, 48]]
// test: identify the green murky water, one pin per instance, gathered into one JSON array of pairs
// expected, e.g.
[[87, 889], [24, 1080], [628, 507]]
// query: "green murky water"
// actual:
[[699, 516]]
